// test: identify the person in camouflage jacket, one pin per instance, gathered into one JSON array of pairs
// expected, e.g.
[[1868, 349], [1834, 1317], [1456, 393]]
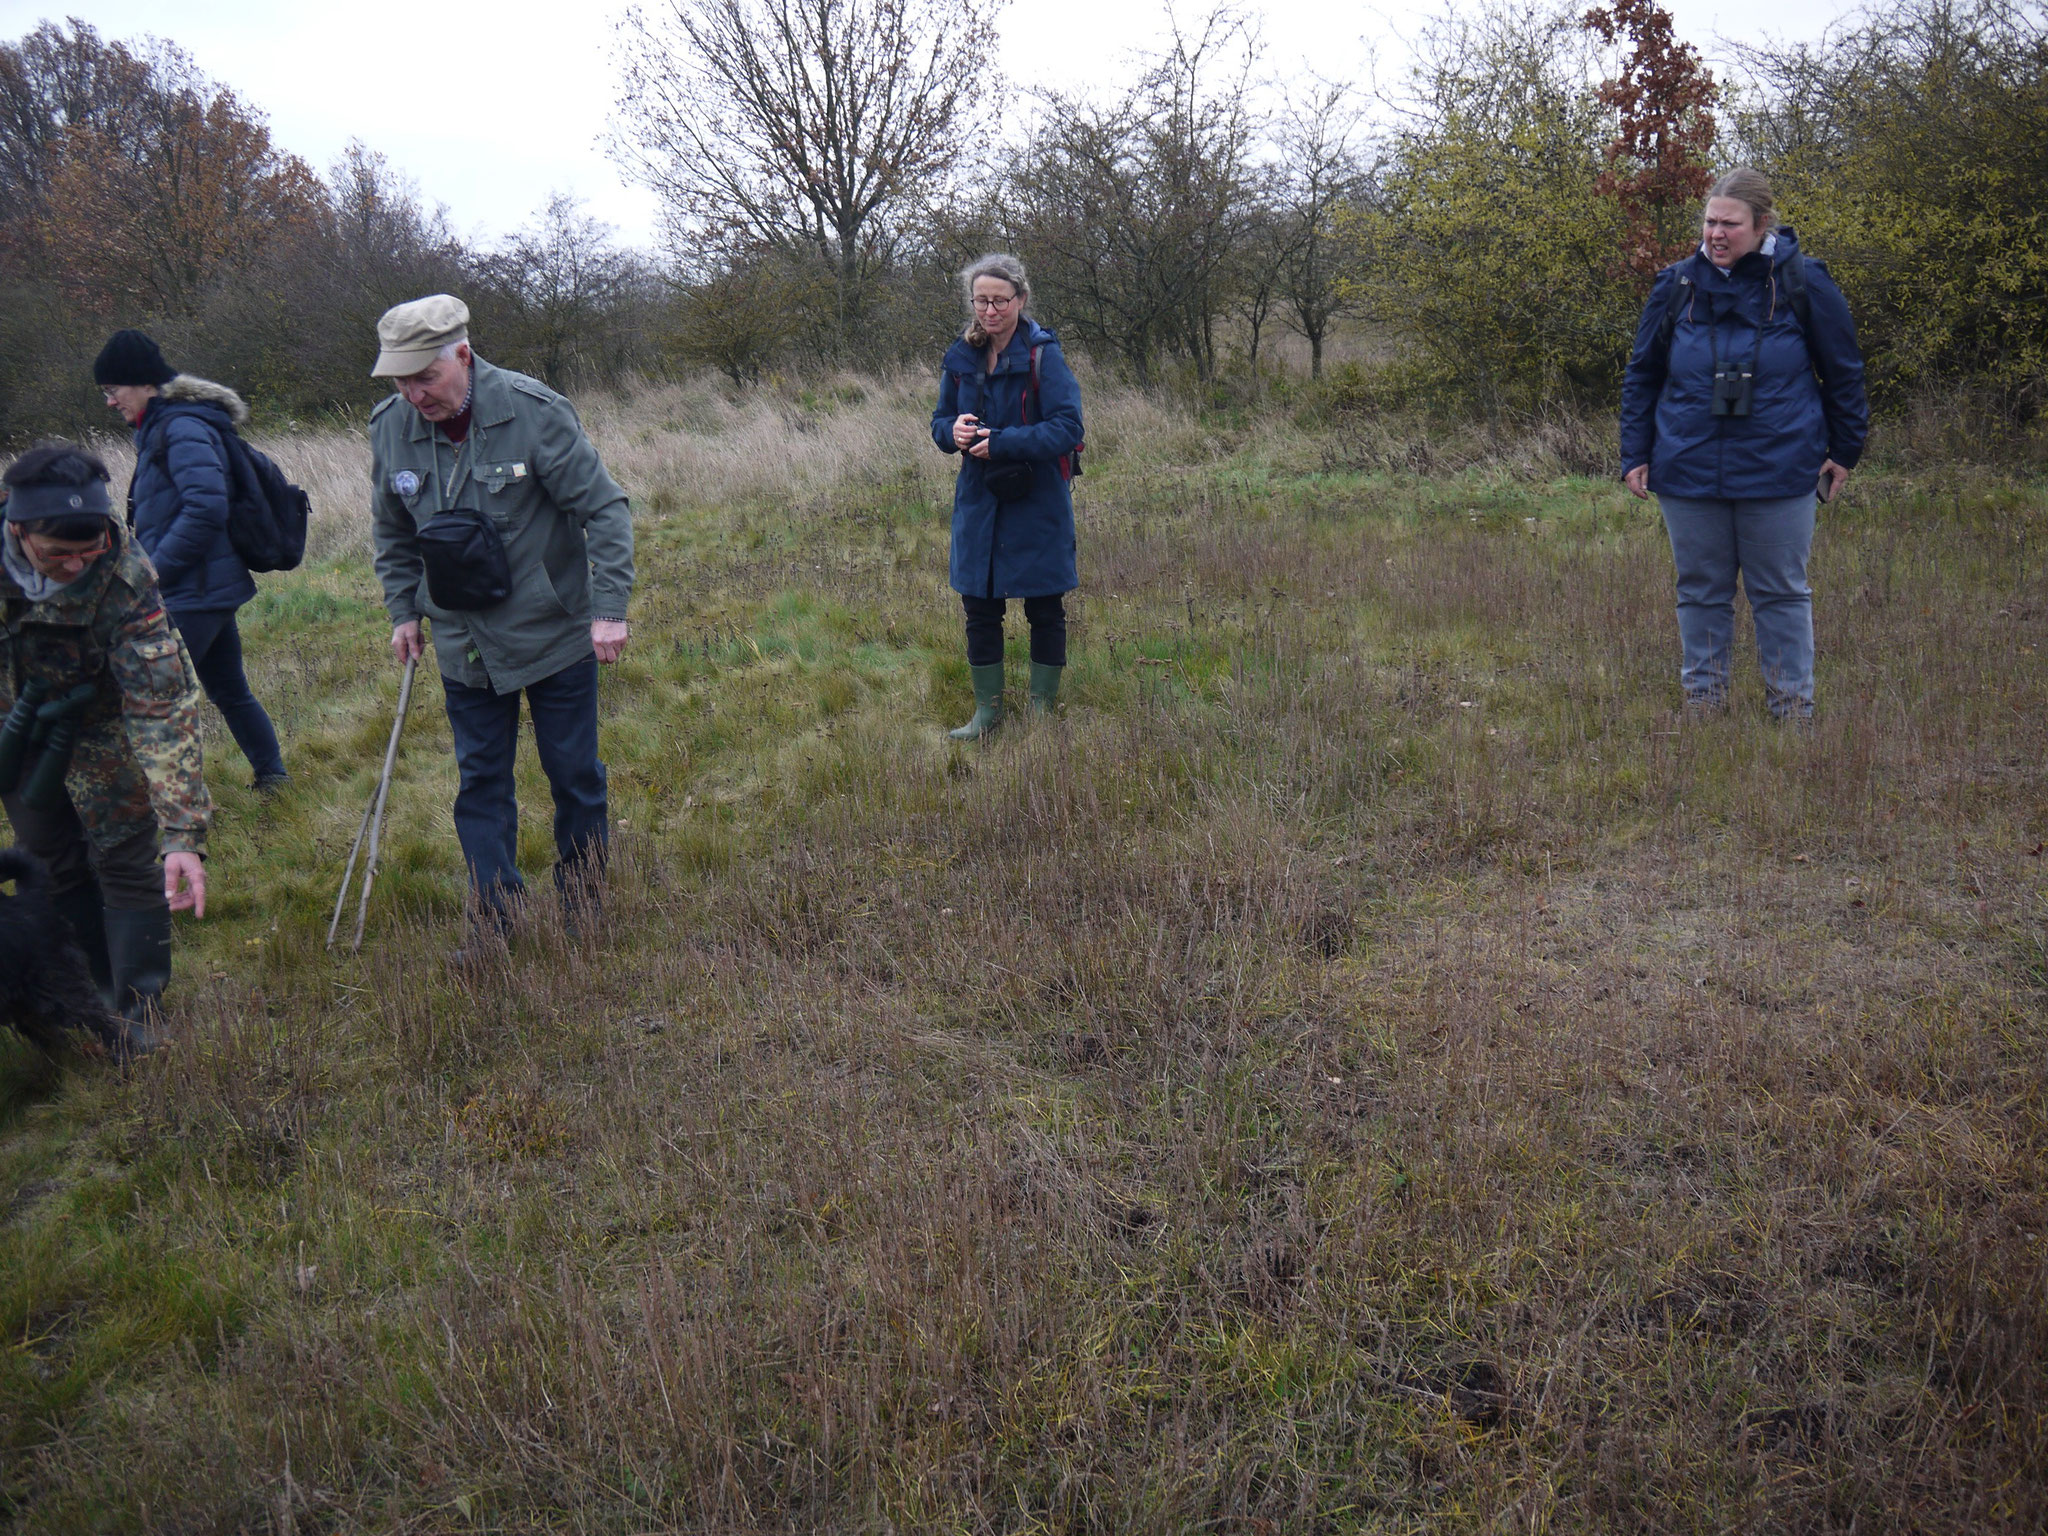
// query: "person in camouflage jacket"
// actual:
[[87, 645]]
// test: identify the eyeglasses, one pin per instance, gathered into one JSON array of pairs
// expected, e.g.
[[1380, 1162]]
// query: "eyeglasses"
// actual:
[[66, 554], [983, 301]]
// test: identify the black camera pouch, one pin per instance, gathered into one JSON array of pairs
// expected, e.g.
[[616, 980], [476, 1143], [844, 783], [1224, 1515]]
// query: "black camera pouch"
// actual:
[[1009, 479], [465, 559]]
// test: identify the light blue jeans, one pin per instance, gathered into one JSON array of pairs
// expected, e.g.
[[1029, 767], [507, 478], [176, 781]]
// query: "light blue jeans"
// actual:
[[1767, 542]]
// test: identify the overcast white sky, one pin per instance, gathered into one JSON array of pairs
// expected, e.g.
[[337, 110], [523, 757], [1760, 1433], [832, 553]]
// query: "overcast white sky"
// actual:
[[541, 91]]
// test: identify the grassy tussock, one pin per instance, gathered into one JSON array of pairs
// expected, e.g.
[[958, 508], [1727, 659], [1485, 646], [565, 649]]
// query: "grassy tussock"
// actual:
[[1371, 1065]]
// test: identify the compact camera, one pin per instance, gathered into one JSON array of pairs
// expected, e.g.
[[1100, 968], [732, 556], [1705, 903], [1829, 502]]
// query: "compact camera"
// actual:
[[1732, 392]]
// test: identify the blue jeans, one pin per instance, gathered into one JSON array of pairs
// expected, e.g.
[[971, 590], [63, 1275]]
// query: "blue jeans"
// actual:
[[216, 647], [486, 728], [1767, 542]]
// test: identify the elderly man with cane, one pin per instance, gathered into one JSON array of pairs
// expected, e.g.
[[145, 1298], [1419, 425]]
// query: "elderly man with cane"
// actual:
[[494, 520]]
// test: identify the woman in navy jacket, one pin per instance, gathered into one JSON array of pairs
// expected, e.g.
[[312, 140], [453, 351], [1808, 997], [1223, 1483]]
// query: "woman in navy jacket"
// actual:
[[1736, 411], [1017, 429], [178, 502]]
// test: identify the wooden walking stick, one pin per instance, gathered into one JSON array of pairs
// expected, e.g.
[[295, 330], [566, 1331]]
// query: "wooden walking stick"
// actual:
[[373, 822]]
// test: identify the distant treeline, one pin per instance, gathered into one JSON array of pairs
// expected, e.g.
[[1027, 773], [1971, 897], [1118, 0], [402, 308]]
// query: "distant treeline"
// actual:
[[824, 170]]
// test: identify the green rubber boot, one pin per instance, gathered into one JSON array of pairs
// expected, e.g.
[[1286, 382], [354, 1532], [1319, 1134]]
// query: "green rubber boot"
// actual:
[[988, 703], [1045, 688]]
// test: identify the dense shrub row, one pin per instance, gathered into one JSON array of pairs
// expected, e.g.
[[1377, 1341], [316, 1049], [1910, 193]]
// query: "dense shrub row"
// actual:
[[1496, 234]]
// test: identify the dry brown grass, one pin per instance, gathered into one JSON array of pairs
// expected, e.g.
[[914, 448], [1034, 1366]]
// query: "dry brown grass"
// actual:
[[1371, 1066]]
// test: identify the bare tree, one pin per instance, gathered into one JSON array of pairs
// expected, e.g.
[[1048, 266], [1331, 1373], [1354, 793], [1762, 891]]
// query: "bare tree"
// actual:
[[565, 289], [1254, 280], [1134, 212], [815, 126], [1320, 174], [51, 84]]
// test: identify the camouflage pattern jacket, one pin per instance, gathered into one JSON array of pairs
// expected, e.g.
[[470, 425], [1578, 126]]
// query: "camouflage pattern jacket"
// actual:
[[137, 764]]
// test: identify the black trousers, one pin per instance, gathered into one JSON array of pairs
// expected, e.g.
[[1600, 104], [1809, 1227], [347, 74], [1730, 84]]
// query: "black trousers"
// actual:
[[216, 647], [130, 877], [1047, 617]]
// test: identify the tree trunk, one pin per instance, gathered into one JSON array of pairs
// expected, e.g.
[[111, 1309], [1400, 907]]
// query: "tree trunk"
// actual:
[[849, 285]]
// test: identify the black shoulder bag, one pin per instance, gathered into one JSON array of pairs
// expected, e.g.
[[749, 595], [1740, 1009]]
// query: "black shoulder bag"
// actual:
[[465, 559]]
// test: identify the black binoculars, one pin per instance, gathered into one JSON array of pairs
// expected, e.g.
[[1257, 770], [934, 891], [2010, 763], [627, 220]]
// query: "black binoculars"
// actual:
[[50, 729], [1732, 392]]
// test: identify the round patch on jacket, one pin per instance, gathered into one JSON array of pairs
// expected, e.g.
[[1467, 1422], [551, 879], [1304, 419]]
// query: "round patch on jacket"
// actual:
[[405, 483]]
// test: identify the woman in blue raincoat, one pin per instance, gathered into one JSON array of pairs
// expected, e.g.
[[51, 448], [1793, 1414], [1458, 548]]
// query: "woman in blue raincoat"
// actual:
[[1008, 404], [1743, 401]]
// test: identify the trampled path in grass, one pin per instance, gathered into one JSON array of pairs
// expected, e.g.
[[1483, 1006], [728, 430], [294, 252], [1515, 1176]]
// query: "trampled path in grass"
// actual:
[[1371, 1065]]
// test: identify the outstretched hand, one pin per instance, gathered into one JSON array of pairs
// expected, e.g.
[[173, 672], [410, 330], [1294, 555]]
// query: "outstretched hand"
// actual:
[[185, 883]]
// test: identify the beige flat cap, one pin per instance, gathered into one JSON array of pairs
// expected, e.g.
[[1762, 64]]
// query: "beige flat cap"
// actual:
[[412, 334]]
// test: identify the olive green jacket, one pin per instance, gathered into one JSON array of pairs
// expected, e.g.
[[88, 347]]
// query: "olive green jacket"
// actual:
[[567, 527], [136, 766]]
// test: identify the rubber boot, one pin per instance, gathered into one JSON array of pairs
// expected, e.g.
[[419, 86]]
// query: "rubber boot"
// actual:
[[85, 910], [1045, 688], [139, 957], [988, 703]]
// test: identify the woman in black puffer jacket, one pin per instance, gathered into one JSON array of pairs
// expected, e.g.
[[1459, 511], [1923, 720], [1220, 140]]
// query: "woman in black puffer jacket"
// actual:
[[179, 502]]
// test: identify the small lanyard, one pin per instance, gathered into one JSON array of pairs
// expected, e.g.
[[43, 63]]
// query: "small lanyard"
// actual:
[[459, 473]]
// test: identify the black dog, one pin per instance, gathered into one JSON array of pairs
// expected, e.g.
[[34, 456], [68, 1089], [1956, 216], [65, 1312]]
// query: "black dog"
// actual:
[[46, 989]]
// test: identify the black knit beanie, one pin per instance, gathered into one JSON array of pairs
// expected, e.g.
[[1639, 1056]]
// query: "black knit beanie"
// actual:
[[131, 357]]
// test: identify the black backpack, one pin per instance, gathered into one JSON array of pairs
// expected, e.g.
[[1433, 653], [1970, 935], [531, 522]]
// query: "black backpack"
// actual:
[[267, 514], [1792, 273]]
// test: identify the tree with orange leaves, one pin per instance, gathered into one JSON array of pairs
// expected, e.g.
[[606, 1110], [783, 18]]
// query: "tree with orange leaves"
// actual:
[[1657, 167], [150, 221]]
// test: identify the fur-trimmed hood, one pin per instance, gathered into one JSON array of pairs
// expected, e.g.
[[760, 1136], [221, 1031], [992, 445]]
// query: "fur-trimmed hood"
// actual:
[[191, 387]]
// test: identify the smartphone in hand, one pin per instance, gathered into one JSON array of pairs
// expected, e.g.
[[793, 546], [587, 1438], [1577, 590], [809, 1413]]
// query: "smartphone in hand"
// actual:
[[1822, 490]]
